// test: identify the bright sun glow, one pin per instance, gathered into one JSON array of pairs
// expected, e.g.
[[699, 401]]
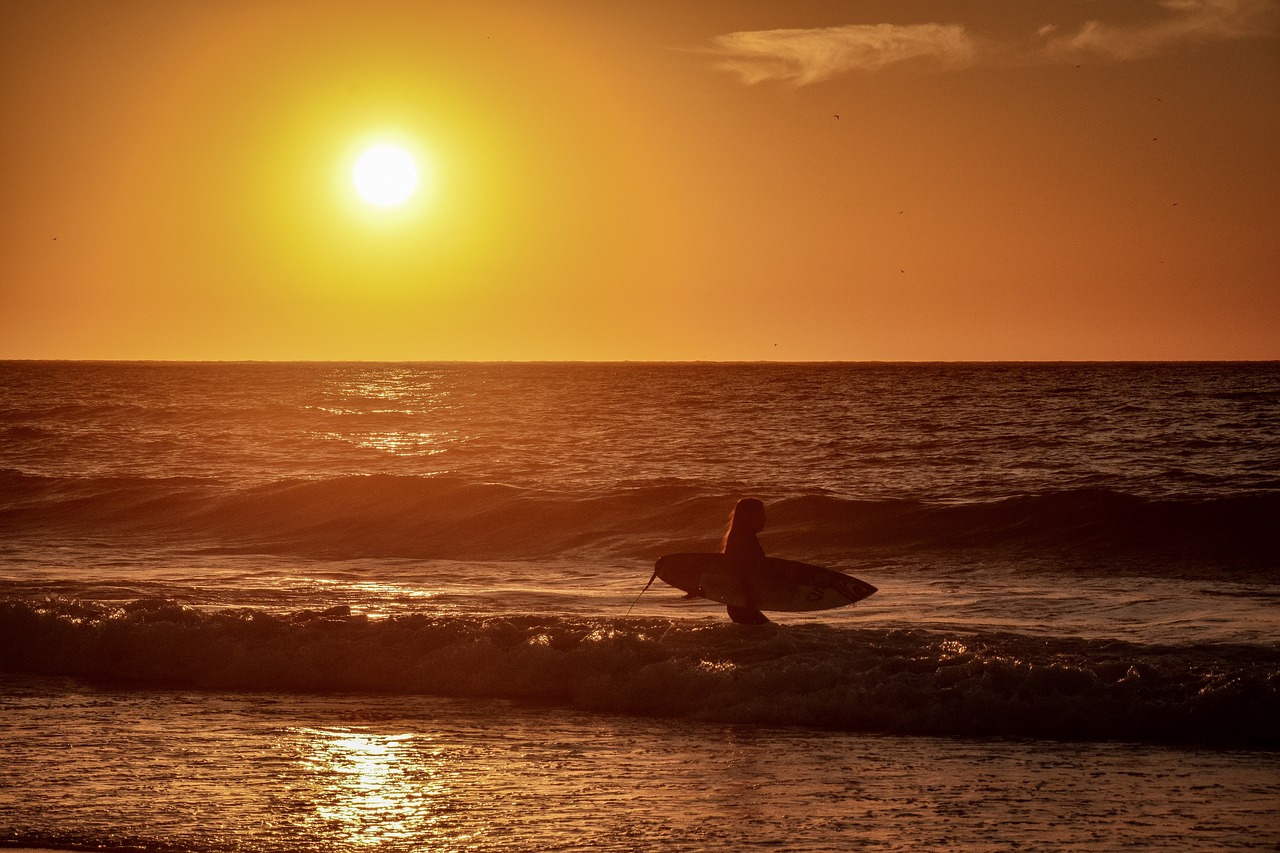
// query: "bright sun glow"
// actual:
[[385, 175]]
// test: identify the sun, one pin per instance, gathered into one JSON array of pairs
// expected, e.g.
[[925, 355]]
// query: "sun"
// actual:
[[385, 175]]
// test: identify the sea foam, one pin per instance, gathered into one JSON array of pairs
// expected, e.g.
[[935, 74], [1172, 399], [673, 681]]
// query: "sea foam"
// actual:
[[901, 681]]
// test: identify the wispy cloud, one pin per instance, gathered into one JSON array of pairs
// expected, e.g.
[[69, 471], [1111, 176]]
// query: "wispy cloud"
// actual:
[[808, 56], [1189, 22], [803, 56]]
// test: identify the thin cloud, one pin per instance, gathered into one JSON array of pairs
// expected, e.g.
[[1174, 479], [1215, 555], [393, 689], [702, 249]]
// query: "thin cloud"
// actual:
[[803, 56], [1191, 22], [808, 56]]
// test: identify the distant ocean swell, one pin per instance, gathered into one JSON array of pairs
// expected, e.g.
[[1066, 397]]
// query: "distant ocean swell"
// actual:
[[451, 518], [909, 682]]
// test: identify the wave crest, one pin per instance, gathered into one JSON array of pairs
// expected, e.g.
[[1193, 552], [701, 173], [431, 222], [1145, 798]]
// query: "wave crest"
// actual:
[[452, 518], [902, 681]]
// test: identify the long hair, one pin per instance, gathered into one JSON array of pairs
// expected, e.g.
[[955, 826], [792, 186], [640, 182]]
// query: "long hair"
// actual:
[[747, 517]]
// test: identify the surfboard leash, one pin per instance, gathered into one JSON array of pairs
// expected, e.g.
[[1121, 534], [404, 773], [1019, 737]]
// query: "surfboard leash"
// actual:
[[652, 578]]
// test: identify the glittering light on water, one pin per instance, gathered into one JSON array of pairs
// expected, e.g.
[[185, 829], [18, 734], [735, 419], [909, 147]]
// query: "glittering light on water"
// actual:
[[366, 786]]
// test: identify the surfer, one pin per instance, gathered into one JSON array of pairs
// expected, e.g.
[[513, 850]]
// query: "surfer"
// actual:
[[747, 556]]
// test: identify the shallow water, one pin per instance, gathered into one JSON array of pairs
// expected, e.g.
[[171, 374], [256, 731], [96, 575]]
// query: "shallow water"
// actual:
[[268, 771]]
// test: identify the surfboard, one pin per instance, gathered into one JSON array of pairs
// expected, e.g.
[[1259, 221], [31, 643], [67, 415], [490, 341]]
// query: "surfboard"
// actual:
[[782, 585]]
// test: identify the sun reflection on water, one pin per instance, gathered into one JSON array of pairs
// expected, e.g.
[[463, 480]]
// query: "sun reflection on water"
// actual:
[[404, 443], [398, 443], [374, 790]]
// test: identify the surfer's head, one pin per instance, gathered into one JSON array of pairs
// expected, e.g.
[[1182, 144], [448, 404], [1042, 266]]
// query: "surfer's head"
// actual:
[[748, 514]]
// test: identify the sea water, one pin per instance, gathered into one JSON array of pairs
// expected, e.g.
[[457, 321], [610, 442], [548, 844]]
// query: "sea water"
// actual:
[[341, 606]]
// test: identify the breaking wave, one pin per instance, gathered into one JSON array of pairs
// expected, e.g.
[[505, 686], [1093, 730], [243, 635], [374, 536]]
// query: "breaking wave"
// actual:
[[900, 681]]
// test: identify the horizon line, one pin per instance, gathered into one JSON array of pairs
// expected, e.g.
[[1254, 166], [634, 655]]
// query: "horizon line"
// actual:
[[587, 361]]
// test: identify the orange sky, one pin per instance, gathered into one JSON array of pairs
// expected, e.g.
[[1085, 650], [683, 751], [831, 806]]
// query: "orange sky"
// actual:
[[658, 180]]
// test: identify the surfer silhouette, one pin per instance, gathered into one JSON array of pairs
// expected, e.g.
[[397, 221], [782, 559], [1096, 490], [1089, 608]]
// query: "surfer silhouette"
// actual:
[[746, 555]]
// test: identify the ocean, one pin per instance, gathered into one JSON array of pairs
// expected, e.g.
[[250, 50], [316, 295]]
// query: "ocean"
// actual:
[[349, 606]]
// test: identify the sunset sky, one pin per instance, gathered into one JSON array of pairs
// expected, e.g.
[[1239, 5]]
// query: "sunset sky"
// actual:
[[669, 179]]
